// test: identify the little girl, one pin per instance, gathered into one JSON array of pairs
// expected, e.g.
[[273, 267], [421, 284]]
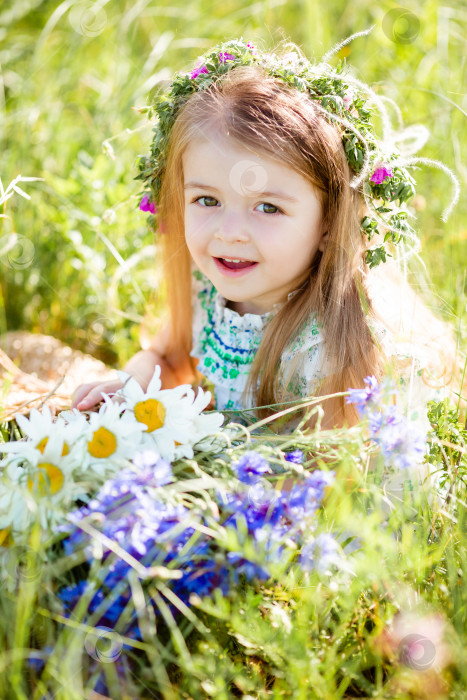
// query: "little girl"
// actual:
[[283, 223]]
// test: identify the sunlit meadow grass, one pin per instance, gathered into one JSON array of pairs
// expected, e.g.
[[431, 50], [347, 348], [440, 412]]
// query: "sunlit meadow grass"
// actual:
[[82, 269], [69, 84]]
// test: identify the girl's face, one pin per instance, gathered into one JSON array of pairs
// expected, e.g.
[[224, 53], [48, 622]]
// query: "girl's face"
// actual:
[[249, 207]]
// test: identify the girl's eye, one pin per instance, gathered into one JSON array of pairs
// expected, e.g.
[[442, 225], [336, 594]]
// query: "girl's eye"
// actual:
[[206, 197], [268, 204]]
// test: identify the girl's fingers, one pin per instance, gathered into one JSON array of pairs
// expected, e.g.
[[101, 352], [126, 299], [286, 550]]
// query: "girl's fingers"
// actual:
[[94, 392], [88, 401], [81, 392]]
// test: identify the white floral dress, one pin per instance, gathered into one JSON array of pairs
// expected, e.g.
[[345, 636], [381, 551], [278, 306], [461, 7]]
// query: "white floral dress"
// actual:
[[226, 343]]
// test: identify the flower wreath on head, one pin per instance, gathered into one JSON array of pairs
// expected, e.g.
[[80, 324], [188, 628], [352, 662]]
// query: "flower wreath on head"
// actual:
[[378, 163]]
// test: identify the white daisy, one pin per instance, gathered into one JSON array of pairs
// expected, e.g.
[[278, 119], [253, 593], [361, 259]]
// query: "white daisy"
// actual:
[[202, 424], [39, 428], [45, 441], [163, 413], [111, 439], [40, 490], [15, 513]]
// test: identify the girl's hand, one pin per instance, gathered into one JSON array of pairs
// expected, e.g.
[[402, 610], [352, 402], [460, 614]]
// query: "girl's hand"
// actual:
[[89, 395], [141, 366]]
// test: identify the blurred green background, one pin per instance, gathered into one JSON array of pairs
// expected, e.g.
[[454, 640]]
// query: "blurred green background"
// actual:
[[72, 74]]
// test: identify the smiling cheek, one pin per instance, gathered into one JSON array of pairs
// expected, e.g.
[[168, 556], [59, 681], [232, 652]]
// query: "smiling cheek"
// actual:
[[197, 243]]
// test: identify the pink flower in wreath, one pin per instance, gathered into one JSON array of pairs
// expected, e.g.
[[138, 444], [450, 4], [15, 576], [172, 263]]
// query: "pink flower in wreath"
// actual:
[[196, 71], [146, 205], [348, 99], [252, 48], [381, 174], [223, 57]]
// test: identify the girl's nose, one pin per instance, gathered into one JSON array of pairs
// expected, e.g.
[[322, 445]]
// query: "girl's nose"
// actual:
[[232, 227]]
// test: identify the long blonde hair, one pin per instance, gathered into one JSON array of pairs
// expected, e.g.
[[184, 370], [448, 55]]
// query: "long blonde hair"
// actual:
[[262, 113]]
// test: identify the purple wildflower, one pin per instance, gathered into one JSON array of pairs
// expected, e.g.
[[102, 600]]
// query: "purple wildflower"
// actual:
[[370, 396], [402, 443], [258, 507], [223, 57], [296, 456], [161, 469], [146, 205], [320, 554], [272, 517], [128, 512], [37, 661], [202, 577], [70, 595], [381, 174], [250, 569], [197, 70], [251, 467], [305, 498], [375, 421]]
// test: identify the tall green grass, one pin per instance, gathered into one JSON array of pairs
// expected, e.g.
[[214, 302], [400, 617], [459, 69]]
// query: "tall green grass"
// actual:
[[68, 86]]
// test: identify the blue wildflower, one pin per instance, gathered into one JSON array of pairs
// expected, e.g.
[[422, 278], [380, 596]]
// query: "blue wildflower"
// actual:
[[320, 554], [261, 506], [304, 499], [37, 663], [128, 512], [70, 595], [296, 456], [260, 510], [161, 469], [250, 569], [202, 578], [251, 467], [402, 443], [318, 480], [376, 420], [272, 517], [370, 396]]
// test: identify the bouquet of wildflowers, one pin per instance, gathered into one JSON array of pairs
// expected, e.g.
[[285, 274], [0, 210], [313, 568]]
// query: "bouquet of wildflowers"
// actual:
[[147, 542]]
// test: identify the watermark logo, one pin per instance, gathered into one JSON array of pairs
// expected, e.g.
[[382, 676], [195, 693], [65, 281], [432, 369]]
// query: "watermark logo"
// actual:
[[417, 651], [103, 644], [88, 18], [262, 496], [23, 566], [401, 25], [16, 251], [100, 330], [248, 177]]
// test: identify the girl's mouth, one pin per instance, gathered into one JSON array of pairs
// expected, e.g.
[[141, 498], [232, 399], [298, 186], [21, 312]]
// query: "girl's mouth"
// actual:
[[234, 269]]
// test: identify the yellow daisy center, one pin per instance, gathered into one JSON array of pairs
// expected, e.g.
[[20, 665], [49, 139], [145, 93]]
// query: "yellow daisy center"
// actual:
[[42, 444], [150, 412], [48, 477], [5, 537], [103, 443]]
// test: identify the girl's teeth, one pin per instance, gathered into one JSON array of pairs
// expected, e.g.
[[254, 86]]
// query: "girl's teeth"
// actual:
[[236, 264]]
